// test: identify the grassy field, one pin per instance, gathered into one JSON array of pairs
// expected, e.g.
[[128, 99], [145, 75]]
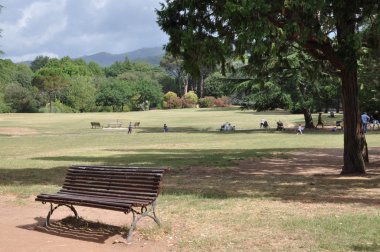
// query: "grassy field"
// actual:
[[208, 201]]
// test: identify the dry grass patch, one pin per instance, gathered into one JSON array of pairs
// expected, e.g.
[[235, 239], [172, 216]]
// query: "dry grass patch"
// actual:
[[12, 131]]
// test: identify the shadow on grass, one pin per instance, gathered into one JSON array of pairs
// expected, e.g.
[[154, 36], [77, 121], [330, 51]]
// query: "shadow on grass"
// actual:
[[308, 176], [371, 247], [145, 130], [208, 130]]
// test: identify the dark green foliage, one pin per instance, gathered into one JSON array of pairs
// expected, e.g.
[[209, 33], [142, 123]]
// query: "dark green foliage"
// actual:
[[215, 85], [114, 93], [4, 107], [206, 102], [117, 68], [20, 99], [80, 94], [8, 73], [369, 79], [39, 62]]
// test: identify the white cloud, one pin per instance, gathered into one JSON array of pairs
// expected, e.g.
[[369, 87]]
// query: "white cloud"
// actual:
[[32, 56], [77, 27], [99, 4], [37, 11]]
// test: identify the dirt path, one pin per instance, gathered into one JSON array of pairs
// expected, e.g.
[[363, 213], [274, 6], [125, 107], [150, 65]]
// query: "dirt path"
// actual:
[[21, 223]]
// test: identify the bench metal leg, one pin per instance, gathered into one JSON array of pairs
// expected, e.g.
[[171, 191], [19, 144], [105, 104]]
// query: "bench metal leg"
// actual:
[[138, 215], [47, 222]]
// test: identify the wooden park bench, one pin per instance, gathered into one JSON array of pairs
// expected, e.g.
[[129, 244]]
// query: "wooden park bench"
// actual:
[[95, 125], [123, 189]]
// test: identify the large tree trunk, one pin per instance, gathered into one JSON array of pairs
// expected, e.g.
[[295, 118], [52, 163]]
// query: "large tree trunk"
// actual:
[[309, 124], [354, 140]]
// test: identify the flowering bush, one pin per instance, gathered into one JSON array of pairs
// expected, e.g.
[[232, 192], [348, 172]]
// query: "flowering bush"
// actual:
[[189, 100], [169, 96], [173, 103], [223, 101]]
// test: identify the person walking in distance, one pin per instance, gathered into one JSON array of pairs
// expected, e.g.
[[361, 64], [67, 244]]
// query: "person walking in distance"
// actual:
[[130, 128], [365, 121]]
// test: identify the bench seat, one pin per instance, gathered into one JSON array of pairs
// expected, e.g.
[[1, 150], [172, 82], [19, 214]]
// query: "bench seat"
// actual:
[[123, 189]]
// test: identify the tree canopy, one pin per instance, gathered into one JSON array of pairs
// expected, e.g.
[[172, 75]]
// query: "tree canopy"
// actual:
[[208, 32]]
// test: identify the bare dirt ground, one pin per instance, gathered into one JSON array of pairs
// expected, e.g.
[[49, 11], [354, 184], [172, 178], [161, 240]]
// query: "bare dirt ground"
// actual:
[[12, 131], [22, 223]]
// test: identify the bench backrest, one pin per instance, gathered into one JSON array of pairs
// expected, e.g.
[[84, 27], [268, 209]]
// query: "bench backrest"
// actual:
[[138, 186]]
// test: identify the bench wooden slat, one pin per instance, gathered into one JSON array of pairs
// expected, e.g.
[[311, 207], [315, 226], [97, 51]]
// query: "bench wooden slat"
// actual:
[[86, 198], [101, 196], [88, 204], [115, 175], [139, 183], [113, 178], [114, 169], [90, 191], [134, 200], [126, 188], [114, 183], [110, 190], [98, 167]]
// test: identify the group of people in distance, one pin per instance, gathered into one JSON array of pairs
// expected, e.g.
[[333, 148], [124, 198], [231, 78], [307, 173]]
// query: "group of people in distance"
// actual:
[[265, 125], [367, 121], [227, 127]]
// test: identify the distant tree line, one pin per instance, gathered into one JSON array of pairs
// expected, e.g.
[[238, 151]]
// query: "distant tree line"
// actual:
[[290, 80], [68, 85]]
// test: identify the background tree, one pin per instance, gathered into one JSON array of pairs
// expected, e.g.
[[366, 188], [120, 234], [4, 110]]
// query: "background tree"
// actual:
[[39, 62], [174, 67], [215, 85], [51, 85], [328, 30], [114, 93], [80, 94], [20, 99], [24, 75], [369, 78]]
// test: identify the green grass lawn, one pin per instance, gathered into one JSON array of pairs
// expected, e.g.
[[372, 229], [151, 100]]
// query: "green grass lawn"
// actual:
[[215, 208]]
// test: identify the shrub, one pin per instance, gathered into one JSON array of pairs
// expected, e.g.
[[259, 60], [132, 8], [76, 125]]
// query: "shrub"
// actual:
[[173, 103], [56, 107], [223, 101], [190, 99], [206, 102], [170, 95]]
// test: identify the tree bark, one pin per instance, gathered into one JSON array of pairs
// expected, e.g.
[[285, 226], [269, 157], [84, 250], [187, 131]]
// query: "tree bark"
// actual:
[[309, 124], [354, 140]]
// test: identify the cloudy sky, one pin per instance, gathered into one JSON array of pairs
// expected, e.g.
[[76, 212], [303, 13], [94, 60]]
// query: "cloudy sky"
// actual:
[[58, 28]]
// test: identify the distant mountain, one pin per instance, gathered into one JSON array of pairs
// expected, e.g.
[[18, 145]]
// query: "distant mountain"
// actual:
[[149, 55]]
